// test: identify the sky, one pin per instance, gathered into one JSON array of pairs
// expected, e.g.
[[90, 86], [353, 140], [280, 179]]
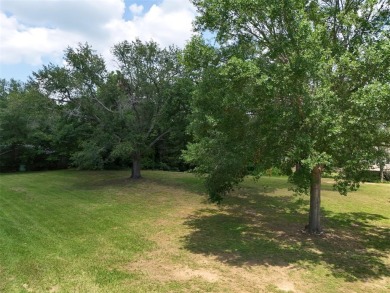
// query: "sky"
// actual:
[[36, 32]]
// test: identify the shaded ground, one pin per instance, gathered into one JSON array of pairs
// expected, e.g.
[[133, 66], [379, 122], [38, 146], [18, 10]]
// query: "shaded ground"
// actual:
[[256, 229], [69, 231]]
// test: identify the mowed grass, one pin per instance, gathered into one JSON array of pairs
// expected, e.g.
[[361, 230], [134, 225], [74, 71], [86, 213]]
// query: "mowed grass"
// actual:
[[79, 231]]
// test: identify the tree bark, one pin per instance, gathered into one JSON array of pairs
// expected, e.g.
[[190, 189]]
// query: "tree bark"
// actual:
[[298, 166], [314, 226], [381, 171], [136, 168]]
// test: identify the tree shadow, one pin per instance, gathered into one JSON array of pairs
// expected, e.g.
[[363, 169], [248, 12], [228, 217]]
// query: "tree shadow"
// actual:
[[252, 228], [96, 180]]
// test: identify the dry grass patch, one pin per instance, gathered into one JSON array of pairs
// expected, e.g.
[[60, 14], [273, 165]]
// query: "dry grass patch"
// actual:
[[159, 234]]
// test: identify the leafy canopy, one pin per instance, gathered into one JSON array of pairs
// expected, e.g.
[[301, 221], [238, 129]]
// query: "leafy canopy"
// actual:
[[123, 113], [289, 83]]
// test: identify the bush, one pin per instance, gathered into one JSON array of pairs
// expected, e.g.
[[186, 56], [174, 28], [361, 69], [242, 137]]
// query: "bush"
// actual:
[[274, 172], [374, 176]]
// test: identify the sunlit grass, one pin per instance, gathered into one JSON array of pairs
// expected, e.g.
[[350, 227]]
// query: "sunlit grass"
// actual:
[[76, 231]]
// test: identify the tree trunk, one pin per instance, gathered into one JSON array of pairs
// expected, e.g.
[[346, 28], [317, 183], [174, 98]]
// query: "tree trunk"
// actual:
[[381, 171], [15, 152], [314, 226], [136, 169], [298, 166]]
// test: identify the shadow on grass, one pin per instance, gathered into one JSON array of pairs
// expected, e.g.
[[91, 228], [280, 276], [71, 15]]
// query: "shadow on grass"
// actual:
[[256, 229], [253, 228], [96, 180]]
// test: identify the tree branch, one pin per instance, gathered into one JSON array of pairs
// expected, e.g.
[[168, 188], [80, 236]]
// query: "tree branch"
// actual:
[[159, 137], [101, 104]]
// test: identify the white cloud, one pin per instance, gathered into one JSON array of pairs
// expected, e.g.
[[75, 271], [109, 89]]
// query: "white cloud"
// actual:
[[170, 22], [20, 43], [70, 15], [136, 9], [31, 31]]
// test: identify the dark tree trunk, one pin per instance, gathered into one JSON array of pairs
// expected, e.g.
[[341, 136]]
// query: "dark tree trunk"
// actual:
[[16, 162], [136, 169], [314, 226], [298, 167]]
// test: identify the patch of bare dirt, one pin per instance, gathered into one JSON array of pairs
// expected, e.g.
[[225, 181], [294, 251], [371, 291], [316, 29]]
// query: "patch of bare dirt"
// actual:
[[54, 289], [170, 272], [27, 288], [286, 286], [225, 278], [170, 262]]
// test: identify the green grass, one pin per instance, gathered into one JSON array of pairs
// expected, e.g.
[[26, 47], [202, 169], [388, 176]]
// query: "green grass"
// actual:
[[79, 231]]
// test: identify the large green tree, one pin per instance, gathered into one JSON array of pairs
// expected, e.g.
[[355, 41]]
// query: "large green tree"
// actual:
[[155, 93], [302, 85], [125, 112]]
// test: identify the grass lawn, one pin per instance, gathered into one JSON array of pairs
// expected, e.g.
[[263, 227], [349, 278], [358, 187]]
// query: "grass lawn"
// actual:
[[79, 231]]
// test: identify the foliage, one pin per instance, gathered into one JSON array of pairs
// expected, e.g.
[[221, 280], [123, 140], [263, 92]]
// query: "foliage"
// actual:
[[289, 83], [28, 124], [374, 176], [89, 157], [123, 114]]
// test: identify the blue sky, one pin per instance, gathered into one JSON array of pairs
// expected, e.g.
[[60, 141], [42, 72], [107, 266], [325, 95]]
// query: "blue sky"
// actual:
[[36, 32]]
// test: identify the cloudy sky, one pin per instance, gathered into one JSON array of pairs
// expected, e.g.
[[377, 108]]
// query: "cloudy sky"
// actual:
[[36, 32]]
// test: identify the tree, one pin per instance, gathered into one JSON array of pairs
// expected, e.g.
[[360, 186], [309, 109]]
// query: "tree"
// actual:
[[290, 83], [28, 123], [382, 157], [74, 87], [127, 111], [150, 79]]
